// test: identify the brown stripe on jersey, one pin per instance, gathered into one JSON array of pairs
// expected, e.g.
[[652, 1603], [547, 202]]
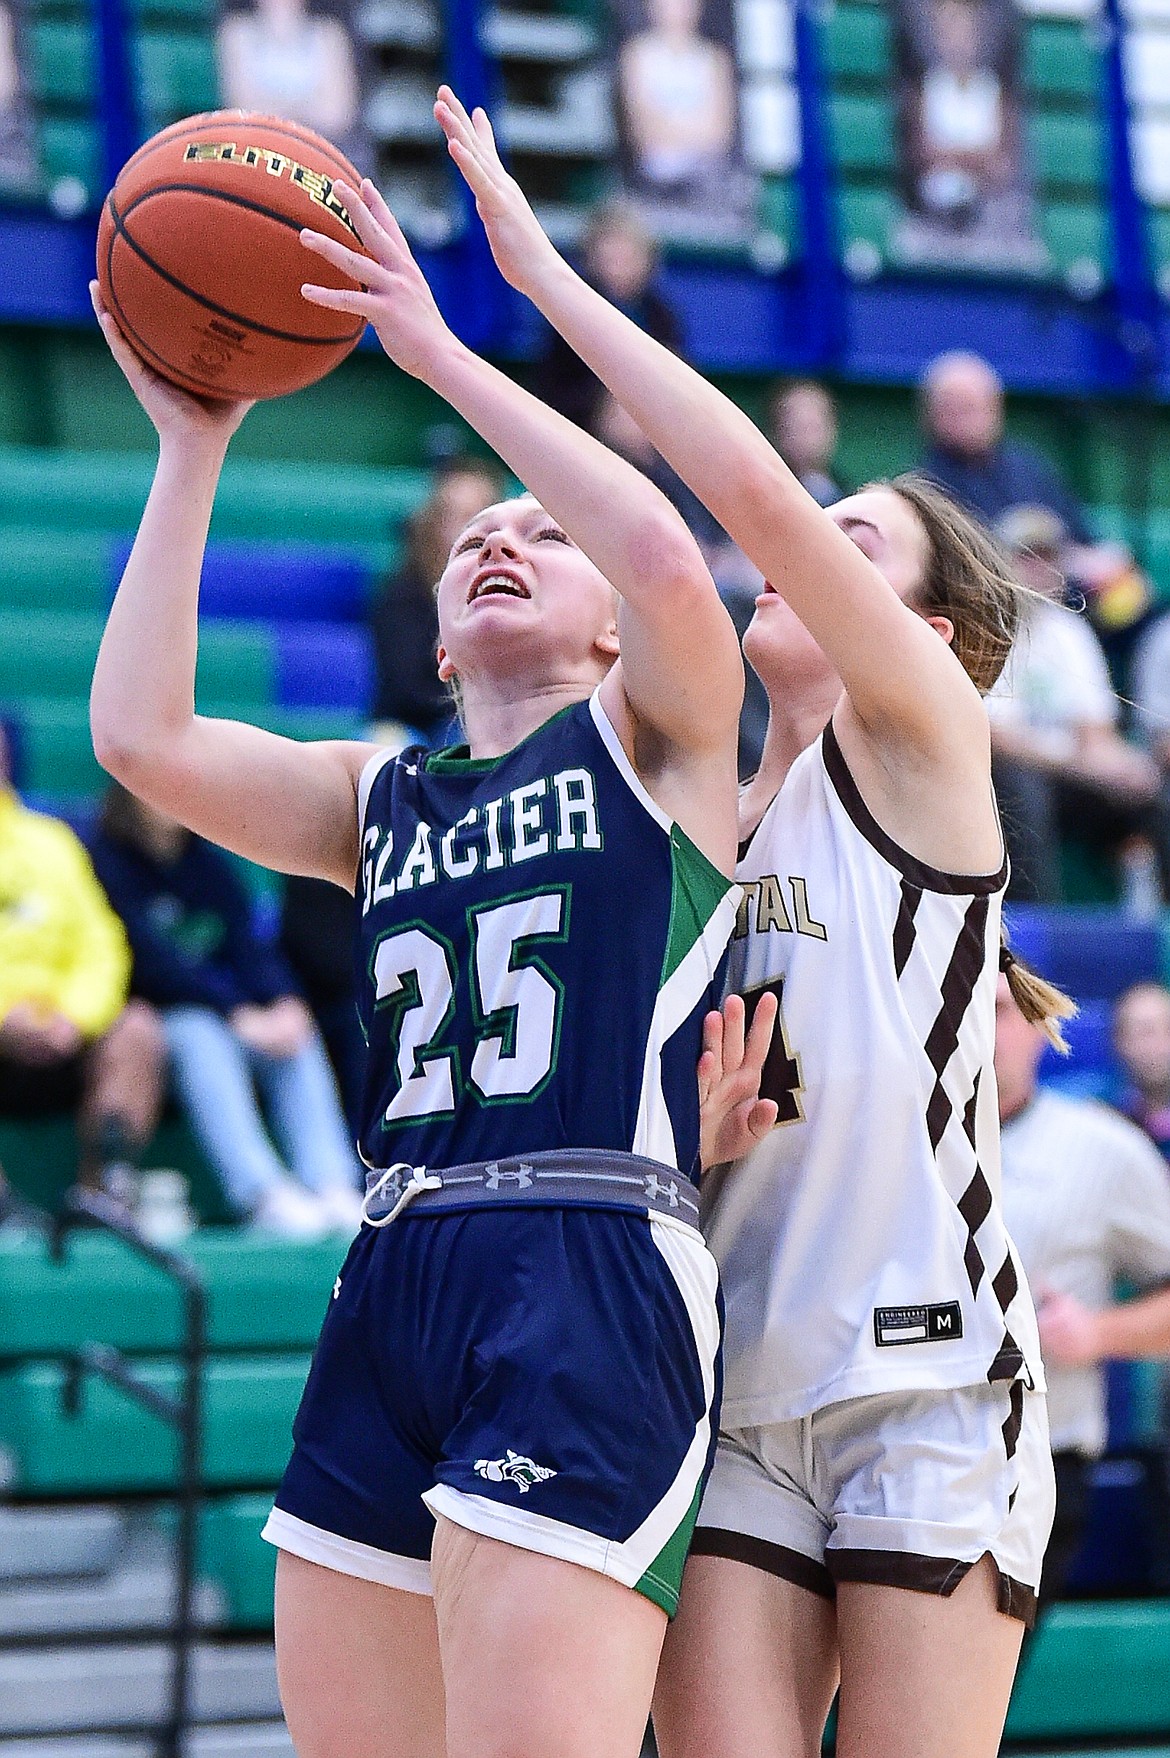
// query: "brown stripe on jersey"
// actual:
[[1014, 1421], [1009, 1361], [918, 872], [1006, 1283], [975, 1203], [958, 988], [904, 926]]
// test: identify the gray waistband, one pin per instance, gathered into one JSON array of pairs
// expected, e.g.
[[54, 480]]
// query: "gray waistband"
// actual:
[[567, 1178]]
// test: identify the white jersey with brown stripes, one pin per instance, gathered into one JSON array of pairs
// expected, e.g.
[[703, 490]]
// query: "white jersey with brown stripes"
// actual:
[[862, 1245]]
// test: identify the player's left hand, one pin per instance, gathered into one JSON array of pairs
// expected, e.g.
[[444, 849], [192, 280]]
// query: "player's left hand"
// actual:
[[732, 1115], [520, 246], [393, 294], [1068, 1331]]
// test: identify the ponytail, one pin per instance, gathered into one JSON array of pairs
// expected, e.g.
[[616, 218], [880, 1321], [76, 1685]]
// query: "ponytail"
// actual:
[[1041, 1003]]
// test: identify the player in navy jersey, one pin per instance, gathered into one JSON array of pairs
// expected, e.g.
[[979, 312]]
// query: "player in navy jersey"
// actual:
[[882, 1492], [501, 1448]]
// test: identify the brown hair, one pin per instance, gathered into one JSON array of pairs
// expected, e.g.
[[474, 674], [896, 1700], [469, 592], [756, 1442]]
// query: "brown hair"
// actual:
[[1041, 1002], [969, 579]]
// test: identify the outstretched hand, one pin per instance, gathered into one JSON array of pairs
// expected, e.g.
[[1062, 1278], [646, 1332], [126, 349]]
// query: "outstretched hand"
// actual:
[[518, 241], [732, 1115], [392, 293], [173, 411]]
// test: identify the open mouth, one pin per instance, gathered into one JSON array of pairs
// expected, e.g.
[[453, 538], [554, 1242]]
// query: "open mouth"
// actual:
[[497, 583]]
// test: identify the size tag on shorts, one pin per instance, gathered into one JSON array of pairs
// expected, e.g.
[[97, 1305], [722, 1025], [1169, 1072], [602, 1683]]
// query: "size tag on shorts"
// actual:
[[941, 1323]]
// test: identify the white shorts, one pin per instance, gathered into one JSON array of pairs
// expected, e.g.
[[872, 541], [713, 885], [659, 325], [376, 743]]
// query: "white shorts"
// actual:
[[903, 1489]]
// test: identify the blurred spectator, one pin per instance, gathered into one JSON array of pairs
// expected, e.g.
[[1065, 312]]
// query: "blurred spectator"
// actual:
[[1062, 768], [18, 155], [316, 937], [1141, 1038], [280, 58], [964, 172], [69, 1039], [739, 584], [1150, 690], [621, 433], [235, 1027], [678, 96], [404, 622], [968, 454], [804, 432], [621, 261], [1087, 1201]]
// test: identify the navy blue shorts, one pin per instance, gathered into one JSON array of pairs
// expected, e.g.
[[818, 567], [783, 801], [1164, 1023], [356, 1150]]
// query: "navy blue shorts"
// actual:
[[544, 1376]]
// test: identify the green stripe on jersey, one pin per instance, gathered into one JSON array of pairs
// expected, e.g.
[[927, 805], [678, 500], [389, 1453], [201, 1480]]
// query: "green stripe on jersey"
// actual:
[[697, 889]]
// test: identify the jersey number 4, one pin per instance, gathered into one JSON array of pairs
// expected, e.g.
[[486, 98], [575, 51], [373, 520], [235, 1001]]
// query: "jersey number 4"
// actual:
[[516, 1006], [781, 1078]]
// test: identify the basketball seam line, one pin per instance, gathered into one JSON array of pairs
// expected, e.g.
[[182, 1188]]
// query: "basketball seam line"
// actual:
[[140, 342], [209, 304]]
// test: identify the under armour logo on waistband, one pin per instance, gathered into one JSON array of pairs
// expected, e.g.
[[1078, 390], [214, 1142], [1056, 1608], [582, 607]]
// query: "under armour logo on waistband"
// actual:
[[495, 1175]]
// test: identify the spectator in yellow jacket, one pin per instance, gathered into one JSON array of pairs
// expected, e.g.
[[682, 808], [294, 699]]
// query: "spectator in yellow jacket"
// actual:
[[69, 1038]]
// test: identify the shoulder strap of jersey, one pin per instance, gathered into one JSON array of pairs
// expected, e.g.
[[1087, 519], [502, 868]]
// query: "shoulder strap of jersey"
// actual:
[[366, 781], [621, 762]]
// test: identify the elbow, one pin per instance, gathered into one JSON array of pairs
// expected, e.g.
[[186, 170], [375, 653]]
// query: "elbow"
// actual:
[[123, 749], [665, 559]]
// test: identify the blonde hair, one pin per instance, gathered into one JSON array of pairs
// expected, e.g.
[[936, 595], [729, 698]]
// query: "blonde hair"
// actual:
[[1041, 1002], [968, 578]]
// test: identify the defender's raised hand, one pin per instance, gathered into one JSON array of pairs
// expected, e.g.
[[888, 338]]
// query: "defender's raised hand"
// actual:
[[518, 241], [393, 295], [732, 1115]]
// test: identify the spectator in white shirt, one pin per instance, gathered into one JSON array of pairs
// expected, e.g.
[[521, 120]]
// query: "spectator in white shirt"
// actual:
[[1062, 767], [1087, 1202]]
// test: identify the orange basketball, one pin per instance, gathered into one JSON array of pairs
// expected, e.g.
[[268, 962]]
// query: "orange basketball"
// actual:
[[200, 261]]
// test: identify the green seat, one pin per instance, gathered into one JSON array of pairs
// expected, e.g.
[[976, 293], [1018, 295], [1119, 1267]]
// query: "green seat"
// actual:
[[233, 1554], [866, 215], [1067, 149], [59, 763], [1075, 233], [262, 1294], [71, 147], [106, 491], [40, 1157], [1099, 1669], [176, 74], [1160, 240], [57, 752], [862, 132], [1060, 61], [199, 13], [52, 570], [113, 1445], [857, 43], [777, 211], [62, 62], [52, 654]]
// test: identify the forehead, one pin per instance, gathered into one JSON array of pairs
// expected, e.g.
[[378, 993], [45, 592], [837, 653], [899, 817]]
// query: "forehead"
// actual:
[[521, 509], [881, 509]]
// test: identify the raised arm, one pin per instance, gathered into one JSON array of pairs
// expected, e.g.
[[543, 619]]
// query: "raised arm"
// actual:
[[286, 805], [680, 666], [899, 676]]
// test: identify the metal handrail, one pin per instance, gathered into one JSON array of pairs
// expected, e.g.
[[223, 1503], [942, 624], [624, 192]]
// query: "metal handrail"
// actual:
[[184, 1413]]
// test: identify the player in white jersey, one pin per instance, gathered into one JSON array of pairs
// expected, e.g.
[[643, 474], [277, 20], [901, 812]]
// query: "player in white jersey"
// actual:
[[883, 1492]]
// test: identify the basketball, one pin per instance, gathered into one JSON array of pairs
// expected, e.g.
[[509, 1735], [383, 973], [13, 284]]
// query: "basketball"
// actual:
[[200, 261]]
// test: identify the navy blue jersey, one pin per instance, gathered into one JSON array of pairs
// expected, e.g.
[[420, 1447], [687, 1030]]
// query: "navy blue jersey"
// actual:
[[537, 946]]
